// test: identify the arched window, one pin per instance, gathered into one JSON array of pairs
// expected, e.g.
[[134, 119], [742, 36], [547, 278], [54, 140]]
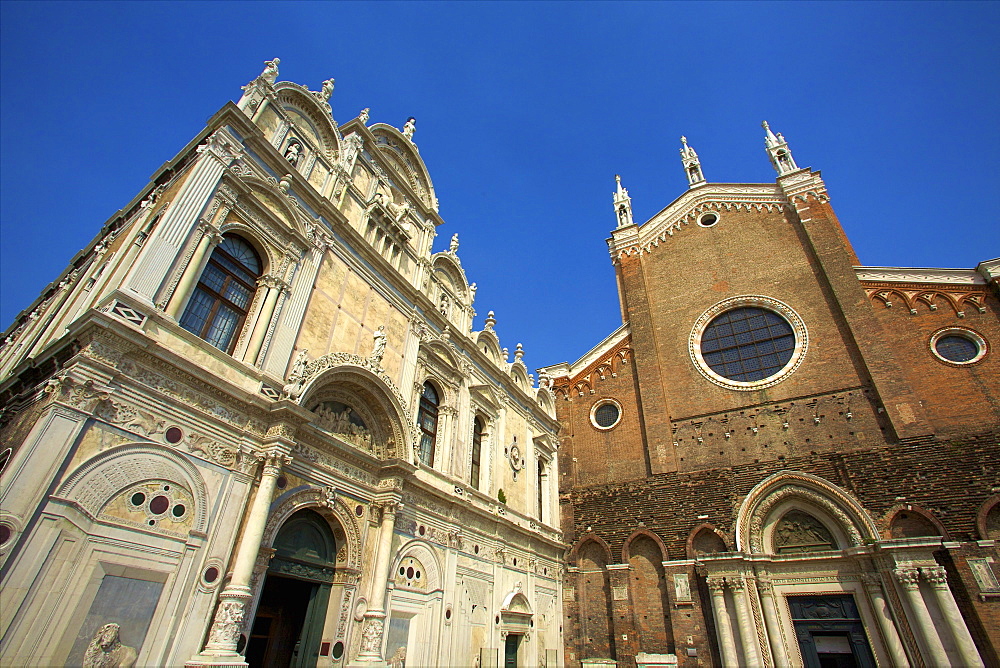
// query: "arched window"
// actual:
[[218, 307], [427, 420], [477, 451]]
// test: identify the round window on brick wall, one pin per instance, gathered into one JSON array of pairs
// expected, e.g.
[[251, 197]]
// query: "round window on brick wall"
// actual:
[[958, 346], [605, 414], [748, 343]]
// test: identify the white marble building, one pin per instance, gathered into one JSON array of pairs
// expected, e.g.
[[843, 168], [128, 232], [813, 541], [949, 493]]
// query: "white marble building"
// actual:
[[251, 423]]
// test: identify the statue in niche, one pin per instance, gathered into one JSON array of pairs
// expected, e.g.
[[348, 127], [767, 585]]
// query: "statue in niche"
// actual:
[[270, 73], [293, 152], [443, 306], [363, 116], [453, 246], [398, 660], [107, 651], [327, 89], [299, 366], [410, 127], [378, 350]]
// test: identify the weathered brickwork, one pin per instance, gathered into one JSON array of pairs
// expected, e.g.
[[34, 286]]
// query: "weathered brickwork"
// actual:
[[865, 430]]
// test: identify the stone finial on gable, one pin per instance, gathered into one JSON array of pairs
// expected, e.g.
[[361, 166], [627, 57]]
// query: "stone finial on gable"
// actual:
[[623, 204], [491, 321], [778, 151], [692, 165]]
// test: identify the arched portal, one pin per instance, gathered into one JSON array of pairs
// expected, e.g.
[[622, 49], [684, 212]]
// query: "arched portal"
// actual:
[[287, 630]]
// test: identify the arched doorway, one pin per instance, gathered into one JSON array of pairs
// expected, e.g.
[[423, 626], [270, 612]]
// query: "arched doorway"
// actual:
[[288, 628]]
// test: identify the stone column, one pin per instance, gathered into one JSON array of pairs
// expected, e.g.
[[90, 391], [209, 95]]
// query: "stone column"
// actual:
[[274, 286], [210, 238], [748, 630], [772, 623], [923, 625], [938, 579], [225, 631], [374, 628], [873, 585], [727, 644]]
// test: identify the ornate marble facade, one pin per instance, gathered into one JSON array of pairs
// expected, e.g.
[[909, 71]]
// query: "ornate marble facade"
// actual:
[[254, 409]]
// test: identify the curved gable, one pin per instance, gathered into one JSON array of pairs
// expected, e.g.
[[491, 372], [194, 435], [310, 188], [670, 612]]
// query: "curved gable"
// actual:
[[400, 153], [309, 117]]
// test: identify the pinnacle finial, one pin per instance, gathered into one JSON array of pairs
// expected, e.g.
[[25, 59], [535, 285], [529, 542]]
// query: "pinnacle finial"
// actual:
[[771, 140], [684, 140]]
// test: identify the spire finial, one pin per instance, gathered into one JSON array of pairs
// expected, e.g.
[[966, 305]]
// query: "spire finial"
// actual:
[[778, 151], [692, 165], [623, 203]]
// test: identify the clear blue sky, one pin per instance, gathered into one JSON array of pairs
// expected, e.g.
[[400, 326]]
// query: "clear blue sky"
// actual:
[[525, 112]]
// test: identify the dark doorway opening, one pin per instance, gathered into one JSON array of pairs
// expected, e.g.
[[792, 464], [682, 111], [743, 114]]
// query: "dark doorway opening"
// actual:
[[287, 631], [830, 632], [512, 644]]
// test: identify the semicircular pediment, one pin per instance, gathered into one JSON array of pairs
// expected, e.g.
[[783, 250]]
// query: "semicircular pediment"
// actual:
[[399, 152], [309, 117]]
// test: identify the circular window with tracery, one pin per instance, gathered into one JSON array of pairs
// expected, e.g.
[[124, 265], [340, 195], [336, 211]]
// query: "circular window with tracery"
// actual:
[[748, 343], [958, 346], [606, 414]]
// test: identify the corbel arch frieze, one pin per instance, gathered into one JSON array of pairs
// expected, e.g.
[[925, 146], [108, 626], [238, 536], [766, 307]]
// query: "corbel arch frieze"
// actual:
[[839, 505], [107, 474], [332, 507]]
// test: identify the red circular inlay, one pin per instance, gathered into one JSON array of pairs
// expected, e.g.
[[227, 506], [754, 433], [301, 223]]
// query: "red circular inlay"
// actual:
[[211, 574], [409, 573], [174, 435], [5, 533], [159, 505]]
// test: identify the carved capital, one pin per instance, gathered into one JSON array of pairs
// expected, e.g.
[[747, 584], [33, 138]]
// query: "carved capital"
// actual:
[[739, 584], [937, 576], [908, 578], [272, 462], [716, 585]]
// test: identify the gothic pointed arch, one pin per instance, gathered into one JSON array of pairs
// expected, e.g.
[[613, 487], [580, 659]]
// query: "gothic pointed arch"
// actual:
[[399, 151], [705, 539], [906, 520], [602, 547], [341, 382], [833, 507], [635, 535], [106, 487]]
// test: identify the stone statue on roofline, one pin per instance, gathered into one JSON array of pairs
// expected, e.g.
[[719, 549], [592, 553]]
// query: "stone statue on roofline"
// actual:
[[270, 73], [410, 127], [363, 116], [327, 89]]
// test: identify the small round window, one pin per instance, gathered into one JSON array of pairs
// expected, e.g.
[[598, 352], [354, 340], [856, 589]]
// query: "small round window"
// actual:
[[708, 219], [748, 343], [605, 414], [958, 346]]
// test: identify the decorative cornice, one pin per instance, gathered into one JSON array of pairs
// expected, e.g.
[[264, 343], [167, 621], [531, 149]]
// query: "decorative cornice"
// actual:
[[968, 277]]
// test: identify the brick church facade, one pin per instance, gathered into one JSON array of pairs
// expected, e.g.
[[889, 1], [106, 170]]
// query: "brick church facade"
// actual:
[[781, 458]]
